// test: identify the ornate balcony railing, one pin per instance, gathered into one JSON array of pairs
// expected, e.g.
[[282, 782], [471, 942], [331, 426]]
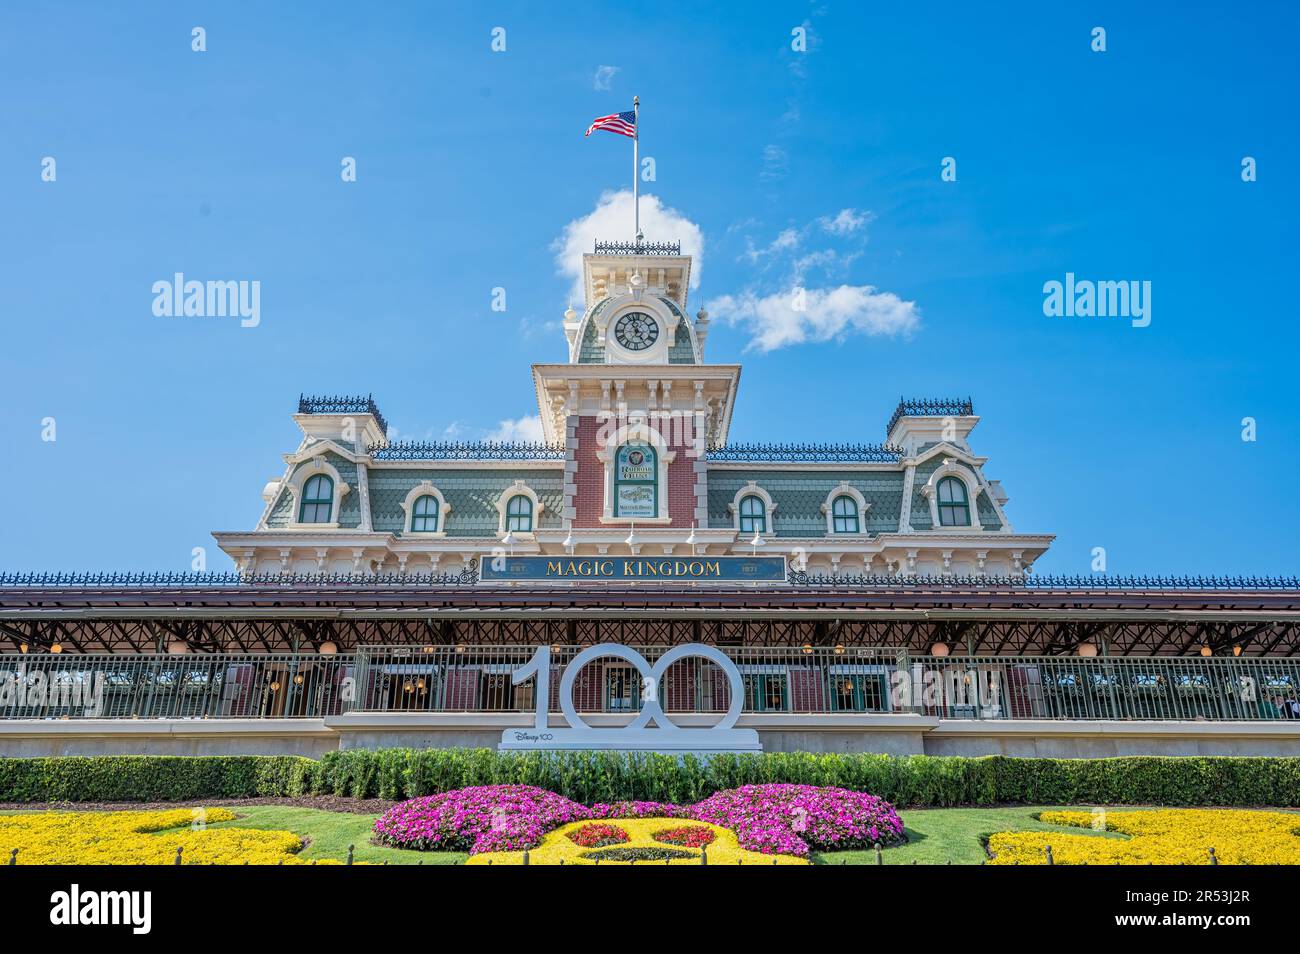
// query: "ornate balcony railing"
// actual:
[[930, 407], [778, 681], [467, 450], [341, 404], [806, 453], [638, 248]]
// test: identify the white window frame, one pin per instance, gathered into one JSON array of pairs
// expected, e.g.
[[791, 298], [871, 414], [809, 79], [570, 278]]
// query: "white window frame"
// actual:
[[752, 489], [516, 489], [828, 508], [313, 468], [425, 488], [951, 468]]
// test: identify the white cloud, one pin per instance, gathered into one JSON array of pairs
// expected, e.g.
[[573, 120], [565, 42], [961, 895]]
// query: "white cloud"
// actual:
[[774, 321], [526, 428], [611, 220], [788, 240], [604, 74], [845, 223]]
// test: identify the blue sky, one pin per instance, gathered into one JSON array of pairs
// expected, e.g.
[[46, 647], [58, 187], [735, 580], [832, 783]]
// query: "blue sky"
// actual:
[[1122, 165]]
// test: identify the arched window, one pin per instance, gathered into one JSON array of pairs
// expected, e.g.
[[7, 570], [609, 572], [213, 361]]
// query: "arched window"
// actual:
[[424, 515], [844, 514], [636, 481], [753, 515], [519, 514], [954, 509], [317, 500]]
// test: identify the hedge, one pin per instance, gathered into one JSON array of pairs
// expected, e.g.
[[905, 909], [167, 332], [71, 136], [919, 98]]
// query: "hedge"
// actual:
[[149, 778], [914, 780]]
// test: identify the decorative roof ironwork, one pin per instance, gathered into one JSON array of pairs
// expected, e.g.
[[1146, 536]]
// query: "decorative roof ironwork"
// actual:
[[807, 453], [930, 407], [467, 450], [1098, 581], [168, 580], [341, 404], [638, 248]]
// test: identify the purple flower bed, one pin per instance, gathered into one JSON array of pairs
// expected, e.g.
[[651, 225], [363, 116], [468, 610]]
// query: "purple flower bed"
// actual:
[[477, 819], [772, 819], [792, 819], [639, 810]]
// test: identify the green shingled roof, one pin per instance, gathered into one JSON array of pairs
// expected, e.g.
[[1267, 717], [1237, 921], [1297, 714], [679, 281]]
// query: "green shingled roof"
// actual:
[[349, 515], [471, 493], [799, 496]]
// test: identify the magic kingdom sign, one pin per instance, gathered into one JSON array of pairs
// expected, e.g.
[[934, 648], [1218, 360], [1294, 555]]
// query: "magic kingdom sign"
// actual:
[[633, 569]]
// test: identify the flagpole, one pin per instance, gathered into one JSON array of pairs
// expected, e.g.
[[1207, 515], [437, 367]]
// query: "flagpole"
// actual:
[[636, 166]]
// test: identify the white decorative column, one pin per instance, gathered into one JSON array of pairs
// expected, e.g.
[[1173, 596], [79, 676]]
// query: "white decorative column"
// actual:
[[905, 514]]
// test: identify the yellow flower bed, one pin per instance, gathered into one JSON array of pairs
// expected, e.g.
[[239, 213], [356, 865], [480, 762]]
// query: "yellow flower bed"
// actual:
[[1163, 837], [557, 848], [123, 838]]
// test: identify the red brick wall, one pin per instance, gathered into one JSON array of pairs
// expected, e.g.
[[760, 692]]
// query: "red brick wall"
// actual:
[[590, 480]]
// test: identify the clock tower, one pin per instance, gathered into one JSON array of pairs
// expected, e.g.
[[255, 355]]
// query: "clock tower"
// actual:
[[636, 407]]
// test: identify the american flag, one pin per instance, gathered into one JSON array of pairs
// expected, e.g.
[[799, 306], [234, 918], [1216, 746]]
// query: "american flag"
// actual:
[[622, 123]]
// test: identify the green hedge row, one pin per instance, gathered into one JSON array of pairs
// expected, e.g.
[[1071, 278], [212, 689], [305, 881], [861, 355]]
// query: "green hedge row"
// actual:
[[150, 778], [916, 780]]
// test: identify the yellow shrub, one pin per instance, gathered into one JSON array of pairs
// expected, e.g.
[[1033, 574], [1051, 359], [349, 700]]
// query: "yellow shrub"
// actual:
[[1163, 837], [557, 848], [124, 838]]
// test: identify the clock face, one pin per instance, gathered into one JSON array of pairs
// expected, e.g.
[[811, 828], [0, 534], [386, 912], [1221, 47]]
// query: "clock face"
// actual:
[[636, 331]]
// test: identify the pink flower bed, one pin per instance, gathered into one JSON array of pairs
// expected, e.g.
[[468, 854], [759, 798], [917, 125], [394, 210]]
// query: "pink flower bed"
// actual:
[[772, 819], [639, 810], [792, 819], [477, 819]]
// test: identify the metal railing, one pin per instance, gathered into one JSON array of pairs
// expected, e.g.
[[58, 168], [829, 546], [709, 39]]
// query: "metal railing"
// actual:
[[467, 450], [1102, 688], [219, 686], [929, 407], [813, 453], [341, 404], [1026, 582], [792, 680], [638, 248]]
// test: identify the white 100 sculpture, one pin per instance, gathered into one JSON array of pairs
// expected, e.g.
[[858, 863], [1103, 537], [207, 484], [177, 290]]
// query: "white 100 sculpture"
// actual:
[[636, 735]]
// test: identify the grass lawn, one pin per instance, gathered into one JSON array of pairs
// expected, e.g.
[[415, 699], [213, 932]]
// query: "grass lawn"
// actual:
[[941, 835], [332, 832], [938, 835]]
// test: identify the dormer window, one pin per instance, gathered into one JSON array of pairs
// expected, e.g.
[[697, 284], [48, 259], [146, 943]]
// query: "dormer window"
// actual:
[[753, 514], [424, 515], [426, 510], [954, 505], [844, 514], [519, 514], [317, 500]]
